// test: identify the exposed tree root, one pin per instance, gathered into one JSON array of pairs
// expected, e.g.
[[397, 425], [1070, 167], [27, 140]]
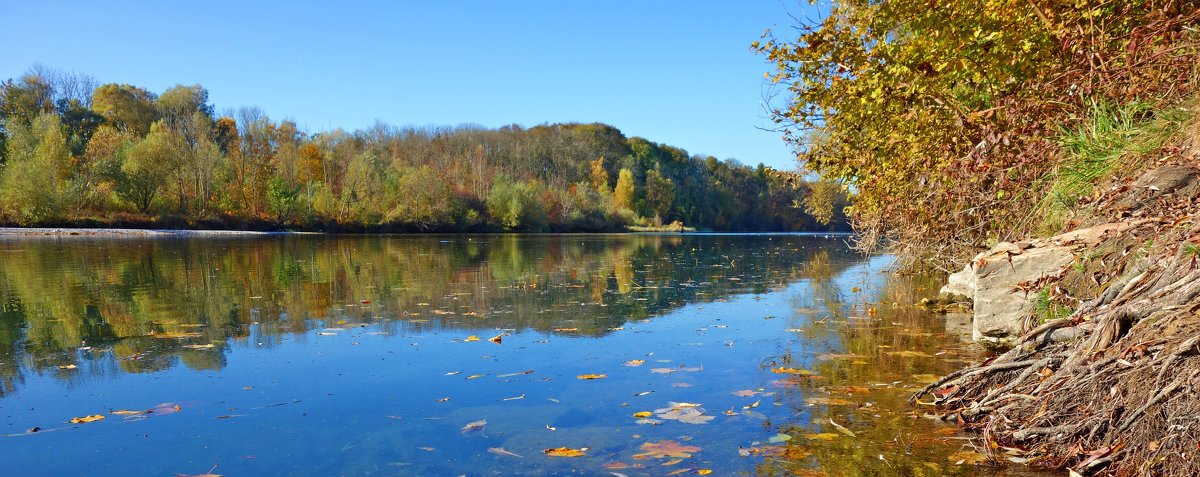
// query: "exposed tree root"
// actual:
[[1123, 397]]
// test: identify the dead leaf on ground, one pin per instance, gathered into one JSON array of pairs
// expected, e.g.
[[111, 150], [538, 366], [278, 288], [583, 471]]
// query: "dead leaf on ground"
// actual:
[[665, 449]]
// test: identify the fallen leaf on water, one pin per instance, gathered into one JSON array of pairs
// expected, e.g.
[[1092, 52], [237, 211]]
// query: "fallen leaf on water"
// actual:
[[967, 457], [125, 412], [497, 339], [503, 451], [687, 413], [823, 401], [796, 371], [752, 406], [671, 462], [847, 389], [824, 436], [842, 429], [635, 362], [643, 414], [475, 376], [509, 375], [662, 370], [471, 338], [664, 449], [615, 465], [779, 438], [164, 408], [175, 335], [565, 452], [703, 471], [592, 376], [909, 354], [86, 419], [68, 366], [474, 426], [206, 474], [652, 422], [746, 393]]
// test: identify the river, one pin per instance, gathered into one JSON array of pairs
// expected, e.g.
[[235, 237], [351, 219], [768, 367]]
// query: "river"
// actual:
[[455, 355]]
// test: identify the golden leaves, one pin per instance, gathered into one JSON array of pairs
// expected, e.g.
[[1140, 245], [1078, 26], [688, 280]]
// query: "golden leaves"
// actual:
[[589, 377], [634, 362], [793, 371], [87, 419], [565, 452]]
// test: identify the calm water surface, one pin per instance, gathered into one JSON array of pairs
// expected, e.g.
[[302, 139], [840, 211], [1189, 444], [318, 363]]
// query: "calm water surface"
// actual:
[[739, 355]]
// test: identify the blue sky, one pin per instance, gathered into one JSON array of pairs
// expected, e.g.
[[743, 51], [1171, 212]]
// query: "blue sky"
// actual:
[[675, 72]]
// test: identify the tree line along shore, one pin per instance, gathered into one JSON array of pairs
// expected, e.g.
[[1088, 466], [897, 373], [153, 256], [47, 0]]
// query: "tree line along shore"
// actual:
[[74, 152]]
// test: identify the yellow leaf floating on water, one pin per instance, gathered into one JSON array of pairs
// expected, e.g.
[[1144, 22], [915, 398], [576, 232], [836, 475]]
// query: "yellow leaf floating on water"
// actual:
[[796, 371], [643, 414], [592, 376], [565, 452], [471, 338], [635, 362], [86, 419], [704, 471]]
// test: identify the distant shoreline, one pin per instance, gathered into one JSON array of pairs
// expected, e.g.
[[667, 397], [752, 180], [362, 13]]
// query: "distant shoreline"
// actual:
[[59, 232], [10, 232]]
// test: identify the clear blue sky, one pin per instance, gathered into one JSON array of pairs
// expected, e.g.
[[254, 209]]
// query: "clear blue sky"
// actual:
[[678, 72]]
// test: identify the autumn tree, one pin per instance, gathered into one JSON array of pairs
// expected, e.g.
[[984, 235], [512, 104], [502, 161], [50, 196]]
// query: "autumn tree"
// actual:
[[125, 107], [623, 192]]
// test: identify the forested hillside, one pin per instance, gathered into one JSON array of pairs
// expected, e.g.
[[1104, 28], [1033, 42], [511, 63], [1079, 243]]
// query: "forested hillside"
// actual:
[[78, 153]]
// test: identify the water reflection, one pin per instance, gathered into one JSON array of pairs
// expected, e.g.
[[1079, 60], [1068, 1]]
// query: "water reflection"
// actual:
[[351, 353], [86, 307]]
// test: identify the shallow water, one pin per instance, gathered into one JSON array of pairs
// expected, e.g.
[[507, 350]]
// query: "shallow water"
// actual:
[[751, 354]]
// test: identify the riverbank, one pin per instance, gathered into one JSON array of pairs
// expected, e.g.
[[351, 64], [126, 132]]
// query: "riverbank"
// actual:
[[1103, 372], [13, 232]]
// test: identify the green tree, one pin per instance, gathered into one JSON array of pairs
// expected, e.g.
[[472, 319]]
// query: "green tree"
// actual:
[[37, 169], [146, 168]]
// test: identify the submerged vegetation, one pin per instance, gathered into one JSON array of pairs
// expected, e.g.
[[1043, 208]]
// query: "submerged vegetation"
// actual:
[[72, 152]]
